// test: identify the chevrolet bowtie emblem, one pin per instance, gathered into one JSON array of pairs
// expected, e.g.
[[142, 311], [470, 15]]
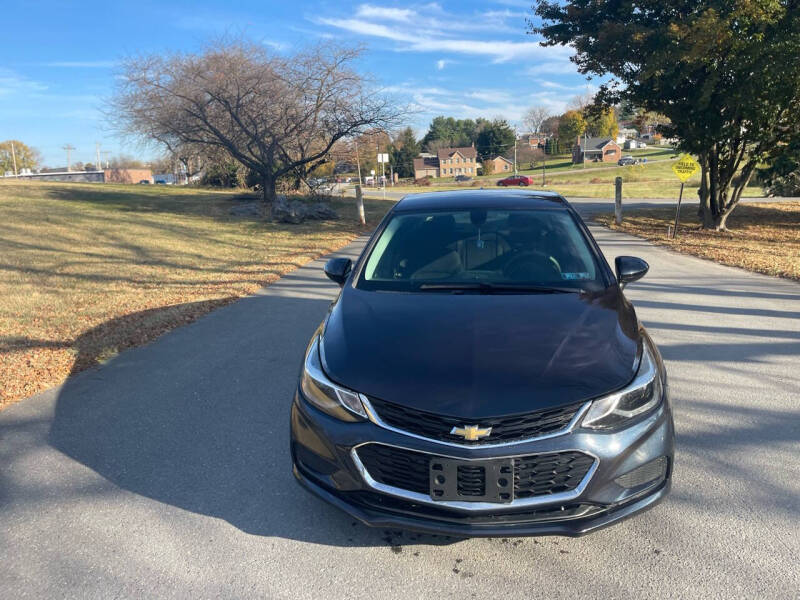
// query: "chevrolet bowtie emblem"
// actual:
[[471, 432]]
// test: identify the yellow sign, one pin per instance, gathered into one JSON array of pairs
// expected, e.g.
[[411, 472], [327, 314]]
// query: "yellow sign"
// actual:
[[685, 167]]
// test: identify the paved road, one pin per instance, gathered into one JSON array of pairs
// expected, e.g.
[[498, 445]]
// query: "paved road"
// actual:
[[165, 473]]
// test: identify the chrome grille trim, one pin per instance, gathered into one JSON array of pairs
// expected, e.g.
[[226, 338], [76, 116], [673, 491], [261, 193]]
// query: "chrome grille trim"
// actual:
[[493, 507], [375, 418]]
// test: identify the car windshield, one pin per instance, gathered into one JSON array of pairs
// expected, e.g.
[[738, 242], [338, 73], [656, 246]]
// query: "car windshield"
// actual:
[[482, 249]]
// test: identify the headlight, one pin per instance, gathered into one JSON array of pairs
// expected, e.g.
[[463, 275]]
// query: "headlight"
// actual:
[[640, 397], [320, 391]]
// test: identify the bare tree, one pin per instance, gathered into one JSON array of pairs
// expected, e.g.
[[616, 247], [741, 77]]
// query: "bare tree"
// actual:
[[582, 101], [534, 117], [276, 115]]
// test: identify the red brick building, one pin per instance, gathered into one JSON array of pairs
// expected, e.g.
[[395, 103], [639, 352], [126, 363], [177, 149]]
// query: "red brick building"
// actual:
[[597, 150]]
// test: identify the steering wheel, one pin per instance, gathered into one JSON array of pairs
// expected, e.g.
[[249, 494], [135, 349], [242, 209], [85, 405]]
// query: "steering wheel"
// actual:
[[531, 261]]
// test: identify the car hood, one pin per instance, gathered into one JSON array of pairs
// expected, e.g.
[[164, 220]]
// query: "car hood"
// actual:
[[481, 355]]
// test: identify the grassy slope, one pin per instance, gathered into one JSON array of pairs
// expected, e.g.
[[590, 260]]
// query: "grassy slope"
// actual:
[[650, 180], [91, 269]]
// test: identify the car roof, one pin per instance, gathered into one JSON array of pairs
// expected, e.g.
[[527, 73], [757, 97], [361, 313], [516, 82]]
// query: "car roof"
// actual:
[[490, 199]]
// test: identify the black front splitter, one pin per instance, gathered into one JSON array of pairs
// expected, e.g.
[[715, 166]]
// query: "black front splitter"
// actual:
[[570, 528]]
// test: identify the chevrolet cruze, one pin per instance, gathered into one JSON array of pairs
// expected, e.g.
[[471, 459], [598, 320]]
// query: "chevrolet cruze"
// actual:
[[481, 373]]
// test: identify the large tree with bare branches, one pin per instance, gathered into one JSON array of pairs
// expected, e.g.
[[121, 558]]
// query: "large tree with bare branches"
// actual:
[[278, 115]]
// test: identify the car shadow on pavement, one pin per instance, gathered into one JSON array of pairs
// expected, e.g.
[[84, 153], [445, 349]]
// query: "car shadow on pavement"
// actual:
[[199, 420]]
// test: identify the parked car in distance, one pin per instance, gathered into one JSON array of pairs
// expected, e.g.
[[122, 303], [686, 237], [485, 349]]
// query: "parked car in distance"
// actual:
[[463, 178], [515, 180], [481, 373], [627, 161], [144, 182]]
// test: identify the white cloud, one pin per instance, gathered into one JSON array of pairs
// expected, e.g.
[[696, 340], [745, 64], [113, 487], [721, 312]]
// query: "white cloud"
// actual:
[[417, 40], [368, 11], [13, 83], [278, 46], [442, 63]]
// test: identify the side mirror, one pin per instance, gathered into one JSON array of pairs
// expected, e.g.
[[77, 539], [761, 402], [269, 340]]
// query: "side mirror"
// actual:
[[337, 269], [630, 269]]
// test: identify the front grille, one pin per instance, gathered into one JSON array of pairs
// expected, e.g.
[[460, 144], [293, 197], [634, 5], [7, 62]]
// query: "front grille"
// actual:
[[554, 473], [534, 475], [504, 429]]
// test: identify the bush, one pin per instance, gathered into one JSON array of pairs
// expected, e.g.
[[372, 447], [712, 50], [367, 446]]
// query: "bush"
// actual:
[[787, 185], [424, 181]]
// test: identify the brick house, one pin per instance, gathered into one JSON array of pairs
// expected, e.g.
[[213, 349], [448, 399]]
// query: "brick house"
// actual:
[[598, 149], [500, 164], [532, 140], [448, 162]]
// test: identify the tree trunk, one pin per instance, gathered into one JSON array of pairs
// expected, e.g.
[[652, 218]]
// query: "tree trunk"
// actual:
[[721, 220], [268, 193]]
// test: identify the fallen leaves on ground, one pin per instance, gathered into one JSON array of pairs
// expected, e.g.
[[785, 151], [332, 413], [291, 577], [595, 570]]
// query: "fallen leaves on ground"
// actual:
[[761, 237]]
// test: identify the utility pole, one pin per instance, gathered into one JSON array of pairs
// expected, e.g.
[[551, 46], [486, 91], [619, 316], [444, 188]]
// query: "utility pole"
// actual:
[[515, 153], [69, 148], [14, 158], [97, 165], [544, 162], [106, 154], [584, 149]]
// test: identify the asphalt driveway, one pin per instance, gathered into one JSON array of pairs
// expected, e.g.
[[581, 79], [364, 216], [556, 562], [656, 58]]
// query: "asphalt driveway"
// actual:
[[165, 473]]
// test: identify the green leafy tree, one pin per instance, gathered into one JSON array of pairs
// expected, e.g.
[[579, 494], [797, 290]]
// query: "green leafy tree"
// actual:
[[450, 132], [402, 152], [782, 177], [26, 157], [722, 72], [495, 138], [570, 125]]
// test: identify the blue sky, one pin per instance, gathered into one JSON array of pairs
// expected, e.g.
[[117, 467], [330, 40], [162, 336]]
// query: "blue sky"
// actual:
[[461, 59]]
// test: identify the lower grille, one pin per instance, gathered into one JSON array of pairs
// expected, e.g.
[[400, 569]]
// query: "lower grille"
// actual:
[[534, 475], [471, 481]]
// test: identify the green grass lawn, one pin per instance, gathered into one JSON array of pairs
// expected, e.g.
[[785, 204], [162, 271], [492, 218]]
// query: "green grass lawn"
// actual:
[[91, 269], [653, 179]]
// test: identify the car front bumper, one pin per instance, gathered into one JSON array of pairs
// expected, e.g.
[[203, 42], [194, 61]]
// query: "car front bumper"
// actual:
[[326, 462]]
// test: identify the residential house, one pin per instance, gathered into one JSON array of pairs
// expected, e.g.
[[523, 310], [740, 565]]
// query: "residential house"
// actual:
[[533, 140], [597, 149], [448, 162], [500, 164], [426, 166]]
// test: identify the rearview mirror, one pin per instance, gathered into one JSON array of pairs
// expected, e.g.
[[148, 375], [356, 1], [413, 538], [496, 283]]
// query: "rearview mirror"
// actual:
[[630, 269], [337, 269]]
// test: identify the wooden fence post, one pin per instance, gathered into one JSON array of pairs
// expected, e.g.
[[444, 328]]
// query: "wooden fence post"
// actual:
[[618, 200]]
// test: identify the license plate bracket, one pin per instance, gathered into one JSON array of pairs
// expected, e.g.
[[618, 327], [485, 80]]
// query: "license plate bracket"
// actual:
[[472, 480]]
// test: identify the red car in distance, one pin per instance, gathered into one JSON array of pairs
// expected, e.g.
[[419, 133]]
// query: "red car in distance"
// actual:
[[515, 180]]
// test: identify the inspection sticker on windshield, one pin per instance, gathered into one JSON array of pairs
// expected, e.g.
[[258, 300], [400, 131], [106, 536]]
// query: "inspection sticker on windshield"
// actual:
[[574, 276]]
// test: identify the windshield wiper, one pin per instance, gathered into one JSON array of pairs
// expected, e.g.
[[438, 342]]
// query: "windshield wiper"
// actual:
[[497, 287]]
